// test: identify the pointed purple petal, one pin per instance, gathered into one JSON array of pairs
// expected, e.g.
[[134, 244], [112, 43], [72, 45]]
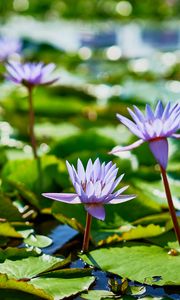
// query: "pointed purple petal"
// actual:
[[70, 170], [159, 148], [89, 189], [47, 69], [96, 210], [130, 125], [120, 191], [165, 114], [159, 110], [134, 116], [89, 169], [138, 113], [96, 169], [118, 149], [66, 198], [121, 199], [80, 171], [157, 126], [176, 136], [149, 113]]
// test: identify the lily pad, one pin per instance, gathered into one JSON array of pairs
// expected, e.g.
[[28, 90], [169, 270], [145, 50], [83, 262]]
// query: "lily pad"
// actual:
[[8, 210], [41, 276], [28, 267], [143, 263], [125, 233], [37, 240], [64, 283], [7, 230]]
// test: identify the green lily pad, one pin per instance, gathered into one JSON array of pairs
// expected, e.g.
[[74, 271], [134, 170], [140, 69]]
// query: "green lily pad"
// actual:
[[28, 267], [12, 284], [55, 131], [40, 275], [64, 283], [8, 210], [7, 230], [143, 263], [25, 172], [37, 240], [125, 233], [98, 295], [12, 253], [89, 141]]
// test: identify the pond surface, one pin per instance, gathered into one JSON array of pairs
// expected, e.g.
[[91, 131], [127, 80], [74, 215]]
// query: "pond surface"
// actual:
[[104, 67]]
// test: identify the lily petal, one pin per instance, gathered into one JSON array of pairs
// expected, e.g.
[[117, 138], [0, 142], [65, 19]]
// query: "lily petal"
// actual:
[[118, 149], [129, 124], [159, 148], [66, 198], [176, 136], [121, 199], [96, 210]]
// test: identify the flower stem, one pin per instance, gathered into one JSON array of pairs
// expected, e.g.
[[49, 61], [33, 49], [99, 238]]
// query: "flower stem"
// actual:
[[170, 203], [87, 233], [31, 122], [33, 139]]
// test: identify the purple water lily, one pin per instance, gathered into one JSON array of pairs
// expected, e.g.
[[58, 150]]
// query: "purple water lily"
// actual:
[[8, 47], [30, 74], [94, 187], [154, 128]]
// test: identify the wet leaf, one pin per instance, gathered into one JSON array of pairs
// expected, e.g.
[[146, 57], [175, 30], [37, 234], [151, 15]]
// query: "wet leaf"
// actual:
[[125, 233], [37, 240], [142, 232], [41, 276], [64, 284], [98, 295], [143, 263], [28, 267], [16, 253], [6, 283]]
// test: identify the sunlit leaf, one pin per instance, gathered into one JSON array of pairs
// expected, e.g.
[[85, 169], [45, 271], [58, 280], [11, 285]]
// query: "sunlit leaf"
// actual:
[[7, 230], [37, 240], [143, 263]]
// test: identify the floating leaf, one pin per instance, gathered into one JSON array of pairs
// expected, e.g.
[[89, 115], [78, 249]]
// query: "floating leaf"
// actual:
[[143, 263], [98, 295], [8, 210], [106, 236], [6, 229], [28, 267], [16, 254], [6, 283], [64, 283], [41, 276], [37, 240], [143, 232], [156, 219], [22, 175]]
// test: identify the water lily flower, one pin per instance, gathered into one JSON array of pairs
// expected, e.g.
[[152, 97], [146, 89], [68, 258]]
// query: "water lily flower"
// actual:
[[94, 187], [154, 128], [30, 74], [8, 47]]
